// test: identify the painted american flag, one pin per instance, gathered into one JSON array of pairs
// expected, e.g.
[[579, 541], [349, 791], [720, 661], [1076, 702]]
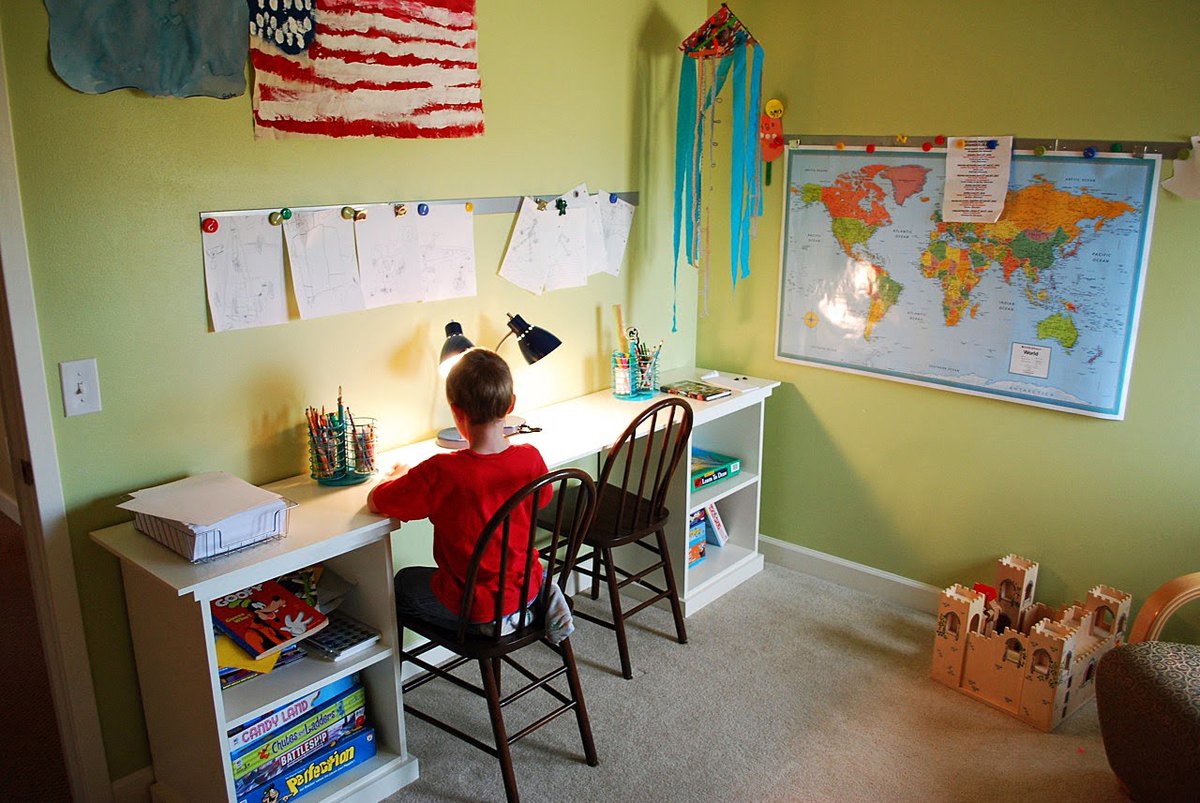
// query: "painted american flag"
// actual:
[[365, 68]]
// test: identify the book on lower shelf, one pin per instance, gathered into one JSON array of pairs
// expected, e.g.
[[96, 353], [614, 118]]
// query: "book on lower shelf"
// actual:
[[709, 467], [266, 618], [716, 533], [696, 538]]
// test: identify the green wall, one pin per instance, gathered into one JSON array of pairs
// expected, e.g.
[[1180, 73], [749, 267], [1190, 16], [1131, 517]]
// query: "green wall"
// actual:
[[112, 186], [934, 485]]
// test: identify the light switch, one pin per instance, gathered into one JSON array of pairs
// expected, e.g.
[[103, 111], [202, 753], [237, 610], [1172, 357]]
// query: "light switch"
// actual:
[[80, 386]]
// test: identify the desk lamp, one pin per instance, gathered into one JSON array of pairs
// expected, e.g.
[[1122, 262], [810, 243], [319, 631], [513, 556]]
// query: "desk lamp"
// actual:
[[534, 343]]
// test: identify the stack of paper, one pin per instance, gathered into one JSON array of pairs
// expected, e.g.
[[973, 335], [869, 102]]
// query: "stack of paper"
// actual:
[[208, 514]]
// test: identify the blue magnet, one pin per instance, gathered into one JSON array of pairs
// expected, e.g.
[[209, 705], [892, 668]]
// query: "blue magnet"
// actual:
[[1089, 152], [992, 144], [612, 197], [422, 209]]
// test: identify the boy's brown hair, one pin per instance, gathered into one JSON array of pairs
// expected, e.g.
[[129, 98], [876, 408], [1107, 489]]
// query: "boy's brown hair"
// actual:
[[480, 385]]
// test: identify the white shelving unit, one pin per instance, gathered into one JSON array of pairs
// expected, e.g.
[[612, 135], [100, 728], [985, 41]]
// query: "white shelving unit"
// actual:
[[188, 714]]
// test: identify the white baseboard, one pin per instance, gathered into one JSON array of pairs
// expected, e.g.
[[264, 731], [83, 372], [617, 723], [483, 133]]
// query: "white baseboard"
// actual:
[[135, 787], [885, 585]]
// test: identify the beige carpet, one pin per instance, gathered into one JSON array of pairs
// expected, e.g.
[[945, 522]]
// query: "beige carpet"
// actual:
[[790, 689]]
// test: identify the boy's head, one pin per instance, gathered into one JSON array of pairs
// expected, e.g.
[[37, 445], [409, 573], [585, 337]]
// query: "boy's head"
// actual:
[[481, 386]]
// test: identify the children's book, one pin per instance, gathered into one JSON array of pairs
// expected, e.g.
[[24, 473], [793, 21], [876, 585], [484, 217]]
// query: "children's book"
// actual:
[[265, 618], [695, 389], [343, 754], [708, 467], [696, 538], [716, 533]]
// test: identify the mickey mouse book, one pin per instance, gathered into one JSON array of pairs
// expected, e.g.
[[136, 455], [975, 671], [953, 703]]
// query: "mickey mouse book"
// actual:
[[265, 618]]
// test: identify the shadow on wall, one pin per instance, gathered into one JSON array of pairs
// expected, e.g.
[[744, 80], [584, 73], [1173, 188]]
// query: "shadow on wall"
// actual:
[[826, 504]]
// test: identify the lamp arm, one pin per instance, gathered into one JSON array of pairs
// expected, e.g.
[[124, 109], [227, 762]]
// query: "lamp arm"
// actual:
[[507, 335]]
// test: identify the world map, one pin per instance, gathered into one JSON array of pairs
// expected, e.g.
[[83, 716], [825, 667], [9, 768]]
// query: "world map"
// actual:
[[1040, 307]]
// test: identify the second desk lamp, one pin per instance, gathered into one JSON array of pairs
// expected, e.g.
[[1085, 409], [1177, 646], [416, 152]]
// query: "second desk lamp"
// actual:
[[534, 343]]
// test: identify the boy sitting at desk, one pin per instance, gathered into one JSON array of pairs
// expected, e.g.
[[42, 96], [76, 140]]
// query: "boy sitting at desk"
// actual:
[[459, 491]]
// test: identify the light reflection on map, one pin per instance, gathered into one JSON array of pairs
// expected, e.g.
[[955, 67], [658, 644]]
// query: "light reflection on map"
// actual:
[[1039, 307]]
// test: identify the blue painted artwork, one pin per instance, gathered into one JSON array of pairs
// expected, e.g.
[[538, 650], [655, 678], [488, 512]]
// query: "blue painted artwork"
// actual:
[[177, 48]]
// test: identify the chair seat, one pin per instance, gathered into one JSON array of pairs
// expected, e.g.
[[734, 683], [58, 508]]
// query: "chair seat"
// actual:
[[1148, 702], [606, 530], [475, 645]]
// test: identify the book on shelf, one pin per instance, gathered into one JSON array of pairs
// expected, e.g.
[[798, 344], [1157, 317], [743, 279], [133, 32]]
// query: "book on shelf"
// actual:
[[695, 389], [275, 752], [696, 538], [709, 467], [338, 757], [265, 618], [233, 675], [344, 637], [716, 533], [318, 585]]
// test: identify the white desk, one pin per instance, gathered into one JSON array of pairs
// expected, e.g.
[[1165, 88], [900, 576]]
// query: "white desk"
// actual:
[[188, 714]]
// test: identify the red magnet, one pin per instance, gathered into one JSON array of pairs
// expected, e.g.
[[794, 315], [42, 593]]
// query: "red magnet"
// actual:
[[926, 146], [870, 147], [939, 139], [210, 225]]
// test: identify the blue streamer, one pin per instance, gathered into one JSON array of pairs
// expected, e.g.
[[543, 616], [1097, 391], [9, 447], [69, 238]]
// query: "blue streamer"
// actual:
[[685, 131], [737, 182]]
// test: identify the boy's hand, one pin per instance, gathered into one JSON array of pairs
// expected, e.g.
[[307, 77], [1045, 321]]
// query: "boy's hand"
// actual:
[[397, 471]]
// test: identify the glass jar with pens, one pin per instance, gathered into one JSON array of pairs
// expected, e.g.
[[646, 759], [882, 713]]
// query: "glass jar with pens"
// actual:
[[341, 450], [635, 369]]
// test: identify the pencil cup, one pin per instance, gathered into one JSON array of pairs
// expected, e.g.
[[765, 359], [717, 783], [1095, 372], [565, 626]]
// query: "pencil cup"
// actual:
[[342, 454], [634, 375]]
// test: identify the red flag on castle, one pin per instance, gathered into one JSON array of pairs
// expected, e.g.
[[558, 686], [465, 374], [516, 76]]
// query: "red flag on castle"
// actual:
[[365, 68]]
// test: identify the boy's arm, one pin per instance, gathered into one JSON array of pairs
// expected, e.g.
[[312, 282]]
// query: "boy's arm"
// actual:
[[406, 497]]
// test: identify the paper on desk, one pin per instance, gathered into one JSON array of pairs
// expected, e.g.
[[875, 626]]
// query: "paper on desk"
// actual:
[[203, 499], [320, 246], [243, 271], [1186, 181]]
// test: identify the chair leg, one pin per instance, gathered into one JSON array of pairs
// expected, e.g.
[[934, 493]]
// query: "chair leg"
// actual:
[[496, 664], [581, 714], [596, 573], [614, 594], [498, 730], [676, 608]]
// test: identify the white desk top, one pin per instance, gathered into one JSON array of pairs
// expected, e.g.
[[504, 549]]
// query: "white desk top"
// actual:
[[329, 521]]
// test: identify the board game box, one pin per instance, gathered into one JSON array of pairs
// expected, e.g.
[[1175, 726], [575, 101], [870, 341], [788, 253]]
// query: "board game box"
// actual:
[[258, 729], [346, 710], [343, 754], [709, 467]]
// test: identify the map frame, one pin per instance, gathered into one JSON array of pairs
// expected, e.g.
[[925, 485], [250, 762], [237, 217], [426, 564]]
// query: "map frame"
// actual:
[[1114, 411]]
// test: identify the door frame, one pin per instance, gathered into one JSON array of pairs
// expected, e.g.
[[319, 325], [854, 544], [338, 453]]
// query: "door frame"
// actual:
[[39, 492]]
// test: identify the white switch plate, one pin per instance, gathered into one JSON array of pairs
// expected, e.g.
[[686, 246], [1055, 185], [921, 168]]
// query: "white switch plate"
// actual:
[[80, 386]]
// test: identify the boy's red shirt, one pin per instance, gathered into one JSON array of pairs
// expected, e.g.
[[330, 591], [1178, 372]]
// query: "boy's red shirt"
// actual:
[[459, 491]]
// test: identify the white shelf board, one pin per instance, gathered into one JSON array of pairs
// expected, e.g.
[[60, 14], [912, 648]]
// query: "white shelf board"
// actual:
[[721, 489]]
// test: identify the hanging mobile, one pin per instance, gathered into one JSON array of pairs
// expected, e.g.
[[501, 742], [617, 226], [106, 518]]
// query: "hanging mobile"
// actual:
[[770, 135]]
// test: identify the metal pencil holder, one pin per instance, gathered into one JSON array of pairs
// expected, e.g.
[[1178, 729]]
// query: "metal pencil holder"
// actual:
[[634, 375], [340, 452]]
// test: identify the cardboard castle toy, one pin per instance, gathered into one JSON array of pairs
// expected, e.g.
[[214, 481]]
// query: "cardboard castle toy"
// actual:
[[1021, 656]]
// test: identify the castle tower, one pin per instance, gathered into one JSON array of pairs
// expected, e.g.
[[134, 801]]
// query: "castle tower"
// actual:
[[1016, 583], [1112, 609], [960, 612], [1045, 692]]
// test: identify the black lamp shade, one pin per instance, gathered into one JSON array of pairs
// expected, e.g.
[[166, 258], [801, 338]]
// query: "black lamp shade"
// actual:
[[534, 343], [456, 343]]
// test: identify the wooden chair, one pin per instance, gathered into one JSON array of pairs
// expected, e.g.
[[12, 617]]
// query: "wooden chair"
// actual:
[[574, 497], [633, 487], [1148, 702]]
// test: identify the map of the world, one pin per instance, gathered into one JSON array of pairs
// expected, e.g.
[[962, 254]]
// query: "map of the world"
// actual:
[[1040, 307]]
